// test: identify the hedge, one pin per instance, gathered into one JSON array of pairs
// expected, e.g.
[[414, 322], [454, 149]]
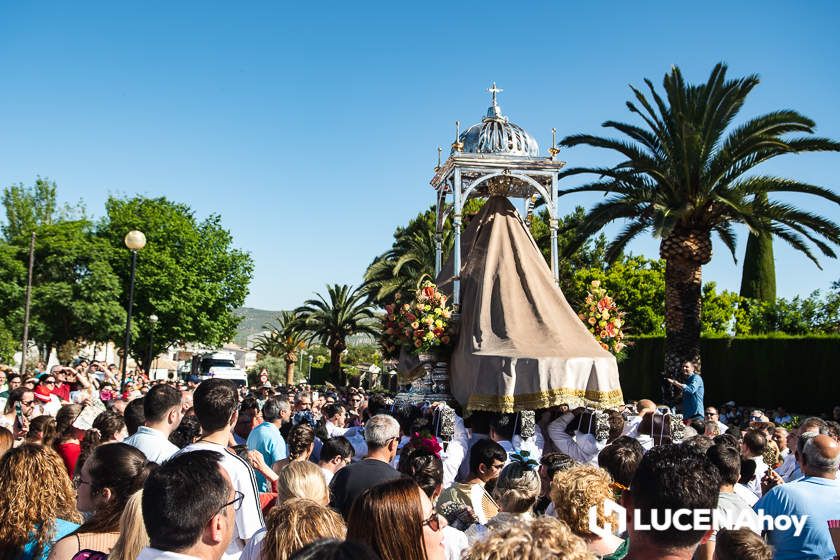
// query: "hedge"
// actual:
[[801, 373]]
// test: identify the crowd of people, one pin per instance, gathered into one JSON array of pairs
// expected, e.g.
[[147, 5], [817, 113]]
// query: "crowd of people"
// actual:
[[210, 470]]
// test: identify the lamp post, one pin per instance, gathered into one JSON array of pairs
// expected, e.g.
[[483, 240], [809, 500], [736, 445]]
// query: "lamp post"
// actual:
[[309, 373], [135, 241], [153, 319]]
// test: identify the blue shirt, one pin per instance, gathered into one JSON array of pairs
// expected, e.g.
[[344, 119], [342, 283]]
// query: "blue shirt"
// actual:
[[154, 444], [266, 439], [819, 499], [692, 404], [62, 529]]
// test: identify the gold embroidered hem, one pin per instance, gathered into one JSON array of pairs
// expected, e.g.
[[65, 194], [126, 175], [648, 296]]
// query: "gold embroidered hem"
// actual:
[[546, 399]]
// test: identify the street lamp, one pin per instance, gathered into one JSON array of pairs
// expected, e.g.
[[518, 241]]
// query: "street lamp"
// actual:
[[309, 373], [135, 241], [153, 319]]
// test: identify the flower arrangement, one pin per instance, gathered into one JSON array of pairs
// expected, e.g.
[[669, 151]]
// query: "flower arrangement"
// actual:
[[419, 325], [603, 318], [426, 441]]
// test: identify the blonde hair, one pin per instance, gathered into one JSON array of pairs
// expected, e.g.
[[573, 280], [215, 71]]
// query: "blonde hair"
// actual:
[[577, 489], [296, 523], [36, 491], [133, 536], [543, 537], [517, 488], [302, 479]]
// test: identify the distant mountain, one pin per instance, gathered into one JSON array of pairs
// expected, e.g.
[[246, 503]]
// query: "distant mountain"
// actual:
[[252, 322]]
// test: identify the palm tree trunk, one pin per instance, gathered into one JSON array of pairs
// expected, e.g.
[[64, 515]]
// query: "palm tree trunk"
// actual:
[[685, 252], [290, 373], [335, 365], [683, 283]]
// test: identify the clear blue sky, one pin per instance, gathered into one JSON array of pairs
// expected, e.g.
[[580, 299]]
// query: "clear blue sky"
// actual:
[[312, 127]]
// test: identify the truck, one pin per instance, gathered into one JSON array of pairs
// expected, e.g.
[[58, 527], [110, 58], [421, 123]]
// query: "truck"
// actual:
[[220, 365]]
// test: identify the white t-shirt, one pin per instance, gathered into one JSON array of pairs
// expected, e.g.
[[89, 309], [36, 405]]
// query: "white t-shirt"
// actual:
[[760, 468], [249, 518], [454, 543], [745, 494]]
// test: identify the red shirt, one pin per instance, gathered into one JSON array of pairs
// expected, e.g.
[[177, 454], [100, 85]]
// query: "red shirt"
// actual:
[[70, 452], [62, 391]]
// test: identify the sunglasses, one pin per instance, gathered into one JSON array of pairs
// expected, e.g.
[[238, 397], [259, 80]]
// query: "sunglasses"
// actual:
[[433, 521], [28, 403]]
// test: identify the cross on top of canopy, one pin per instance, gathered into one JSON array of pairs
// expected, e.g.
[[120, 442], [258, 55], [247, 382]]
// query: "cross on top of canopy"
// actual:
[[494, 158], [497, 157]]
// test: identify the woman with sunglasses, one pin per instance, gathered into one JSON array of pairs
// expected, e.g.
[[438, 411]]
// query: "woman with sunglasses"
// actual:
[[20, 407], [47, 401], [104, 484], [420, 462], [397, 520]]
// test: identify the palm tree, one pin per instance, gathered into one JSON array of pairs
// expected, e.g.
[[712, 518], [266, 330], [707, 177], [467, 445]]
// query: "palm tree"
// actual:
[[332, 320], [283, 340], [400, 268], [685, 175]]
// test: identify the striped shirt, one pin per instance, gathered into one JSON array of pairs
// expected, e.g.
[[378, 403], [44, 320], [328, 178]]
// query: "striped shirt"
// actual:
[[249, 518]]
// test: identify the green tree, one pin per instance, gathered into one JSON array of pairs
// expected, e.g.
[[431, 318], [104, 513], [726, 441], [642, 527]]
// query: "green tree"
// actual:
[[684, 176], [285, 340], [275, 367], [638, 286], [189, 274], [332, 320], [12, 286], [758, 277], [412, 255], [28, 207], [75, 292]]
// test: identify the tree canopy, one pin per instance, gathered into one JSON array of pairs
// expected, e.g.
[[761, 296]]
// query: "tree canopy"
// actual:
[[188, 274]]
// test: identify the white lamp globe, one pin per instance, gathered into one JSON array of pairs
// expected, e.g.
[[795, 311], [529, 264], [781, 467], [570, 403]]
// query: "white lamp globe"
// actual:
[[135, 240]]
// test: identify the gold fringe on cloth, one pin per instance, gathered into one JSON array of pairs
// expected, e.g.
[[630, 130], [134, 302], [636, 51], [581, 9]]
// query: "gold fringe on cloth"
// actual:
[[546, 399]]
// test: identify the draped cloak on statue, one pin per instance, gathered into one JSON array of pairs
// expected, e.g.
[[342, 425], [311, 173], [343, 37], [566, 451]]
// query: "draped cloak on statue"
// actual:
[[520, 345]]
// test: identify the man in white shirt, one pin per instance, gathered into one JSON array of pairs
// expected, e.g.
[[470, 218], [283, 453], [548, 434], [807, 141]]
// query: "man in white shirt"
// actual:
[[163, 413], [336, 454], [335, 417], [216, 406], [582, 447], [185, 518], [503, 432], [752, 447]]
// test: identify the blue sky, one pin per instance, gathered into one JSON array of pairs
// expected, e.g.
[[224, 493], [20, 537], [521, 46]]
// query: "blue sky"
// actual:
[[312, 129]]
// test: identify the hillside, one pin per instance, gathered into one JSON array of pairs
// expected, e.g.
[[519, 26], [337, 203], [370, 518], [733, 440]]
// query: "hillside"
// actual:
[[252, 322], [254, 319]]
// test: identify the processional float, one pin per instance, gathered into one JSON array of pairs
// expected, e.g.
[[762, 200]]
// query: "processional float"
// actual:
[[520, 346]]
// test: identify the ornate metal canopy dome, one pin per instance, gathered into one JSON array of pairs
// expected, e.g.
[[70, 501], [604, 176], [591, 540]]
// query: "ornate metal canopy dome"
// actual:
[[496, 135]]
